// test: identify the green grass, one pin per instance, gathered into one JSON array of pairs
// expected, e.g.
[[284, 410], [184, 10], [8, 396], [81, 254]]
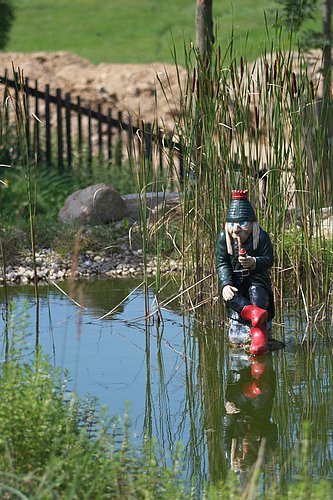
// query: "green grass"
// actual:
[[127, 31], [54, 187]]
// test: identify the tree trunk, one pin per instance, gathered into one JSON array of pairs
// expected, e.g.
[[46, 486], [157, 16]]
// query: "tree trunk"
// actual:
[[204, 28], [327, 58]]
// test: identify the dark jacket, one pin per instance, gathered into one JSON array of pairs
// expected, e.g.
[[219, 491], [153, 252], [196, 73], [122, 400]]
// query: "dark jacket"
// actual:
[[226, 264]]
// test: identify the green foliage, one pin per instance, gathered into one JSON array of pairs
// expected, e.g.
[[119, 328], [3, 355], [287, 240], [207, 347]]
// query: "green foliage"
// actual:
[[6, 20], [295, 12], [14, 242], [54, 445], [53, 187], [300, 490], [61, 237], [321, 490], [311, 39], [302, 16]]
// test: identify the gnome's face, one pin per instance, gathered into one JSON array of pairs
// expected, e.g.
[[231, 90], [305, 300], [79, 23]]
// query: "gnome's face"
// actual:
[[240, 230], [240, 216]]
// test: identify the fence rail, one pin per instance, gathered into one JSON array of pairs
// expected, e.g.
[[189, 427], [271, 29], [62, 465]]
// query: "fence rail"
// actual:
[[72, 130]]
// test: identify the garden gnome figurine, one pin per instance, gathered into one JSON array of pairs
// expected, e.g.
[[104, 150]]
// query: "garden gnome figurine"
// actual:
[[244, 255]]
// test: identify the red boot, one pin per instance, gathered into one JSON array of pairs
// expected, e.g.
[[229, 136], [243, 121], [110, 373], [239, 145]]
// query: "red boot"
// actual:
[[251, 390], [254, 314], [258, 367], [259, 344]]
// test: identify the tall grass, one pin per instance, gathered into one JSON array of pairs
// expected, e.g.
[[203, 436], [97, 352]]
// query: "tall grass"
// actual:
[[262, 127], [28, 160]]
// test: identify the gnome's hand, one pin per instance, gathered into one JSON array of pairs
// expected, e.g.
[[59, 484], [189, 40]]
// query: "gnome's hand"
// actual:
[[228, 292], [247, 262]]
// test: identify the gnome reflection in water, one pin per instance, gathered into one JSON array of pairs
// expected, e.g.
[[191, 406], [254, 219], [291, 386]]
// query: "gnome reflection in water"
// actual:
[[249, 434], [244, 255]]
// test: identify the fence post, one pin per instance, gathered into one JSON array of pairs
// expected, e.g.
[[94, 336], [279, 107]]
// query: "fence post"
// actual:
[[48, 148], [139, 136], [79, 126], [148, 141], [68, 129], [179, 147], [89, 137], [26, 111], [5, 95], [17, 97], [130, 137], [59, 131], [109, 134], [119, 146], [36, 124], [99, 130], [6, 115], [160, 150]]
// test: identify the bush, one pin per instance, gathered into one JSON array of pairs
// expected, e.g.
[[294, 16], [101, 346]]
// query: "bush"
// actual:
[[54, 445], [6, 21]]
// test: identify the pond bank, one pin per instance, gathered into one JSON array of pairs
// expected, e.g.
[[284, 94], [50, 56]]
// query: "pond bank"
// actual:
[[51, 266]]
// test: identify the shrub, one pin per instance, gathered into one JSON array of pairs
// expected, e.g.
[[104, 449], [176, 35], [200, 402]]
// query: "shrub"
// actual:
[[6, 21], [54, 445]]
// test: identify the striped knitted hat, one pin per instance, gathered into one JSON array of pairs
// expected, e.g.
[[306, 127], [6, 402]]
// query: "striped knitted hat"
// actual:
[[240, 209]]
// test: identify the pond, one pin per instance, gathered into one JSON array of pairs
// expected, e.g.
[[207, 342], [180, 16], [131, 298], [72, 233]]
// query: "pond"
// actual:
[[184, 384]]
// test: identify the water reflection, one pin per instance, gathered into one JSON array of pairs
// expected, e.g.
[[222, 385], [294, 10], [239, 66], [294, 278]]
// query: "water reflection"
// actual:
[[99, 296], [249, 433]]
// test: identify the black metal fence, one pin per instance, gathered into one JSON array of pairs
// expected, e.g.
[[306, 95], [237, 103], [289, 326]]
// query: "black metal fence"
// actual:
[[60, 130]]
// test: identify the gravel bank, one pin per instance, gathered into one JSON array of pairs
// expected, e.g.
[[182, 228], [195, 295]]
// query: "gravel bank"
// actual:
[[52, 267]]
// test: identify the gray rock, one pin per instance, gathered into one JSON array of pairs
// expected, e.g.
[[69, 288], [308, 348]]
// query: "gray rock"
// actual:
[[154, 199], [94, 205]]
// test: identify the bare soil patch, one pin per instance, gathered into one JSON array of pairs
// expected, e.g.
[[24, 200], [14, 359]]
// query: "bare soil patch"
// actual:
[[130, 88]]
